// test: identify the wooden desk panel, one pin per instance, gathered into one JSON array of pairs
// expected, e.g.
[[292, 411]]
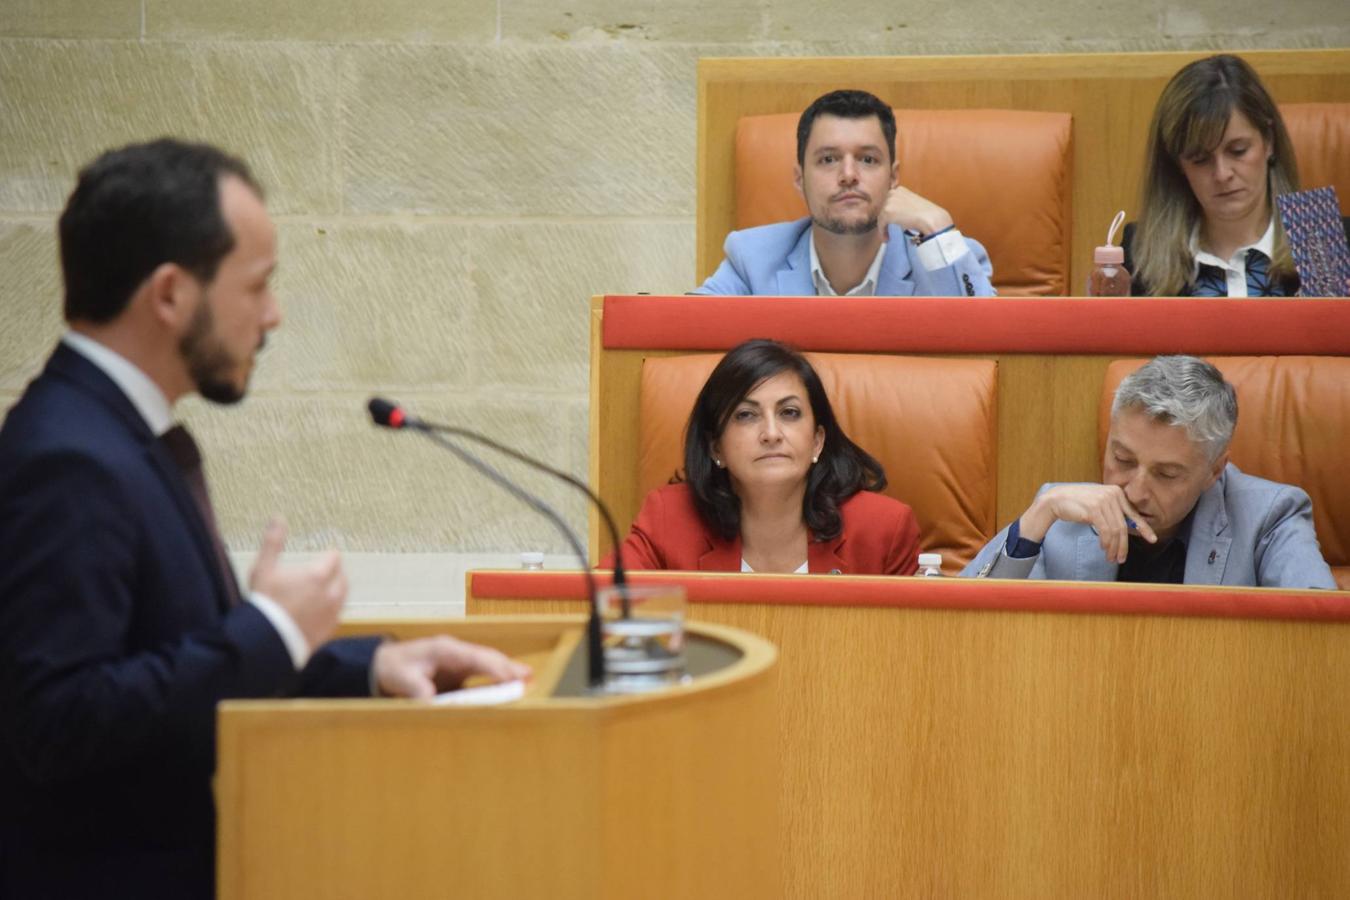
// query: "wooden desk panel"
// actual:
[[987, 753]]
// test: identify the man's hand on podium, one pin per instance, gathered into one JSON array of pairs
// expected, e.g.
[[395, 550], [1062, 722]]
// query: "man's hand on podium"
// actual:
[[424, 667]]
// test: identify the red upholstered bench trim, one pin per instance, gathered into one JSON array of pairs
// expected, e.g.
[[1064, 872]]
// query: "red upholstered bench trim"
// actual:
[[953, 593], [1143, 326]]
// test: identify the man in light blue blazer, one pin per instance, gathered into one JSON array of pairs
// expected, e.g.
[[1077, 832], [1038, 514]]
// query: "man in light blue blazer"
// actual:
[[1172, 508], [866, 235]]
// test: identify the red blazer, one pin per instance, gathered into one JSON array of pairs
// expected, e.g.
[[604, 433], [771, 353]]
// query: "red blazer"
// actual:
[[879, 537]]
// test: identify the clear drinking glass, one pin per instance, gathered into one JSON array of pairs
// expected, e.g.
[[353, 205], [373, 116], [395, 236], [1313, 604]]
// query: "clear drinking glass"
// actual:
[[643, 633]]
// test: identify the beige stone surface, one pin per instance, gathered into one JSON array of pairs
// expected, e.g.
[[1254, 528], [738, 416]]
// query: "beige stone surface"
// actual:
[[533, 283], [797, 27], [70, 18], [914, 28], [1306, 23], [413, 305], [30, 301], [453, 181], [411, 21], [339, 480], [604, 20], [520, 130], [371, 306], [64, 102]]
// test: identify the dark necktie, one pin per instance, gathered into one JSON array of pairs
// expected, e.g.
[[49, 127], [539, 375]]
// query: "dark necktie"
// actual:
[[183, 450]]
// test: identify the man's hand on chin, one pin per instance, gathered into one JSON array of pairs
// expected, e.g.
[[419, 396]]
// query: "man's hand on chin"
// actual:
[[421, 668], [911, 212], [1102, 506]]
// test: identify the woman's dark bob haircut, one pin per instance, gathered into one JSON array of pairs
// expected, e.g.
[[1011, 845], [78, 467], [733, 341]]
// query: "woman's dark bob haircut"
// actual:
[[844, 468]]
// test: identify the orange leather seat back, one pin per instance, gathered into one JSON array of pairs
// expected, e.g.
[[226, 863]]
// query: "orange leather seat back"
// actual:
[[1004, 175], [1293, 420], [932, 423], [1320, 133]]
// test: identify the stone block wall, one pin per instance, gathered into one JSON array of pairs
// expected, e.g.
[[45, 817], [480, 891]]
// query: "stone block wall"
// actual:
[[453, 179]]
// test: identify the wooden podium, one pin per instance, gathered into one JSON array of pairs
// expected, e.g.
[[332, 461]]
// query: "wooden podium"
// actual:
[[672, 794]]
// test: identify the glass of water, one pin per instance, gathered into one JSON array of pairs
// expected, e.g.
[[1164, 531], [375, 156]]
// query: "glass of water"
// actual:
[[643, 632]]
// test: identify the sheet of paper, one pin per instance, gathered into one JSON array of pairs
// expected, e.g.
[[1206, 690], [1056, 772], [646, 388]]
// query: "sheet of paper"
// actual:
[[484, 695]]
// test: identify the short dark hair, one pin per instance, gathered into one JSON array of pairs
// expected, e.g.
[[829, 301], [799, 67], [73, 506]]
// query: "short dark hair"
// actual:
[[136, 208], [843, 469], [845, 105]]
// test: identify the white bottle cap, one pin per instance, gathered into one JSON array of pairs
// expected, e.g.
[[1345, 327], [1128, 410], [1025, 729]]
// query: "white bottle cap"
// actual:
[[930, 559], [532, 559]]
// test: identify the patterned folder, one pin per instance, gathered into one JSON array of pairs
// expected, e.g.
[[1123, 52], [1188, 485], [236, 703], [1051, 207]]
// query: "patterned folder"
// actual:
[[1312, 220]]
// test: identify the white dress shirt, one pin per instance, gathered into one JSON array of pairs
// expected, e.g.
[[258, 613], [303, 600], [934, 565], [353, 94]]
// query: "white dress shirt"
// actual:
[[865, 288], [1235, 267], [938, 252]]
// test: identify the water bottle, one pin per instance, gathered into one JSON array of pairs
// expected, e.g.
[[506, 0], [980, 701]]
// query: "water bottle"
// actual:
[[532, 561], [1109, 277], [930, 565]]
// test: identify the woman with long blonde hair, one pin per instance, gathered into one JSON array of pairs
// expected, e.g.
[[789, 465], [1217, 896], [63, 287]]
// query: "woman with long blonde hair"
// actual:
[[1218, 154]]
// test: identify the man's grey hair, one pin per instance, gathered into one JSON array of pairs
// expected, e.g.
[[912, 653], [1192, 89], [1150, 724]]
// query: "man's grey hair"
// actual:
[[1185, 391]]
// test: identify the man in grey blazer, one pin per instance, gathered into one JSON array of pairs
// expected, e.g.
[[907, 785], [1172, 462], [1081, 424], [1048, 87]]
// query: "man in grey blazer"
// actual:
[[866, 234], [1171, 508]]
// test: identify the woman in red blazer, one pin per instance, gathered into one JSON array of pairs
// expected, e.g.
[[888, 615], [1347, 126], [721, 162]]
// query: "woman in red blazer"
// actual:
[[772, 483]]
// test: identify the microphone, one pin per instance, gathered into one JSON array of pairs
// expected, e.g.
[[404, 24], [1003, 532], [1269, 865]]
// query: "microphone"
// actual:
[[386, 413], [390, 415]]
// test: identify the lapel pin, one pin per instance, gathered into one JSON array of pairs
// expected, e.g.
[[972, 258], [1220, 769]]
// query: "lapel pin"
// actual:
[[1213, 554]]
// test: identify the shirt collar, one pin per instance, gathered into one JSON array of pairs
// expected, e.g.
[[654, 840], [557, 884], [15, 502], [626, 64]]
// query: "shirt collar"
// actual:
[[865, 288], [143, 393], [1238, 262]]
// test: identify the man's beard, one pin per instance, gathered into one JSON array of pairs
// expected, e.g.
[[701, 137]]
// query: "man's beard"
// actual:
[[838, 226], [208, 362]]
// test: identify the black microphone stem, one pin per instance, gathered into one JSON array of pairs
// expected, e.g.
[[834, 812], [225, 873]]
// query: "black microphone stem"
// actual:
[[596, 661], [620, 579]]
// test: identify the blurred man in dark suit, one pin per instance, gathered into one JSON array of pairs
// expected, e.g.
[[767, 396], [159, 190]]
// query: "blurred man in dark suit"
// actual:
[[121, 623]]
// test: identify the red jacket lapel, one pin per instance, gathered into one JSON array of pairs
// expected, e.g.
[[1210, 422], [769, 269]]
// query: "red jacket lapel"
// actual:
[[823, 557]]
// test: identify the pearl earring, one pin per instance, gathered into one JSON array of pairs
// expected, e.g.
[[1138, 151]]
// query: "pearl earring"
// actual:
[[815, 459], [717, 462]]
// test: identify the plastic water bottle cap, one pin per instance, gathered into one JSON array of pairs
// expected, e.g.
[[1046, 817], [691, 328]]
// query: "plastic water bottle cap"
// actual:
[[1108, 256], [930, 559], [532, 559]]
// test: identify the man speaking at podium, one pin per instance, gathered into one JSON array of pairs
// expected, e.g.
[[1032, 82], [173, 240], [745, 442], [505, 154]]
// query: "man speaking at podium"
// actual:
[[121, 623]]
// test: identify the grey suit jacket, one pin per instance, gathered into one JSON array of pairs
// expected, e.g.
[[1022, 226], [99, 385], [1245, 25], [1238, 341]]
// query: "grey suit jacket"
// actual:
[[775, 260], [1246, 531]]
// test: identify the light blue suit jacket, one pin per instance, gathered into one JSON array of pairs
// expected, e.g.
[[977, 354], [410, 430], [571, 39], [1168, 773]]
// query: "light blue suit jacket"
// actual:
[[775, 260], [1246, 531]]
